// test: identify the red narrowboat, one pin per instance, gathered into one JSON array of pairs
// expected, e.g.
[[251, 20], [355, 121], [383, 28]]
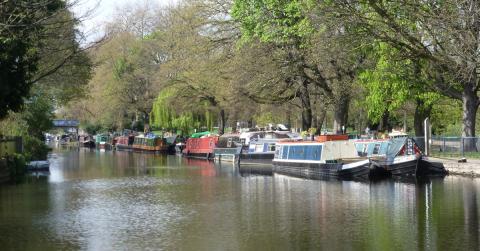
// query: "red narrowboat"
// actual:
[[200, 147]]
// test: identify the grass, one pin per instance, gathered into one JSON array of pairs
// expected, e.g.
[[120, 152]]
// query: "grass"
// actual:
[[468, 155]]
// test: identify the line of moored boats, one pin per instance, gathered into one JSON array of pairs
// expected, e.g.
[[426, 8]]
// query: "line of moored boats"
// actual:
[[288, 153]]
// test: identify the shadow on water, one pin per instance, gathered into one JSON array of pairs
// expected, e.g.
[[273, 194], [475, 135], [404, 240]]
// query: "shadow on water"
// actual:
[[253, 170]]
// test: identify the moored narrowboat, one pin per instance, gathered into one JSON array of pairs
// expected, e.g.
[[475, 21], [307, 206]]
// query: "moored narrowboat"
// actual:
[[149, 143], [228, 148], [86, 141], [201, 145], [103, 141], [399, 156], [171, 142], [311, 159], [125, 142], [261, 151]]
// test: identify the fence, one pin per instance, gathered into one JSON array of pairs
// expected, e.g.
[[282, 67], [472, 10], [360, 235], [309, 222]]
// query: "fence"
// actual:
[[451, 146], [10, 145]]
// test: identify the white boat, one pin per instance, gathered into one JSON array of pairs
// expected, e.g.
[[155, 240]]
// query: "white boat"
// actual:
[[313, 159]]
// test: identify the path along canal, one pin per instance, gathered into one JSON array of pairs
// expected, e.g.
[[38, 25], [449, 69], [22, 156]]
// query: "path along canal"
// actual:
[[132, 201]]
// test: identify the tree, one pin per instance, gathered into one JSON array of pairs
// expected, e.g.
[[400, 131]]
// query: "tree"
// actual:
[[22, 25], [393, 82], [317, 68], [196, 61], [38, 43], [442, 33]]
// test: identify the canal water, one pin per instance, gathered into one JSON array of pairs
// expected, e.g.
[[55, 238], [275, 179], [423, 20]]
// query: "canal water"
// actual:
[[95, 200]]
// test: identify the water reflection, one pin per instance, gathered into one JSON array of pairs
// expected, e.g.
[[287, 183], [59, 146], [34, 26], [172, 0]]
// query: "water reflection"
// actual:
[[123, 200]]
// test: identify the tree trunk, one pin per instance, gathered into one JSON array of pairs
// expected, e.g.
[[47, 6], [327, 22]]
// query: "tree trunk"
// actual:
[[470, 104], [146, 123], [383, 126], [221, 126], [341, 114], [422, 112], [320, 120], [306, 107], [288, 118]]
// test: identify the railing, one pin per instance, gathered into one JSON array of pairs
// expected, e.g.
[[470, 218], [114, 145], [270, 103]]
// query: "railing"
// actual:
[[452, 146], [10, 145]]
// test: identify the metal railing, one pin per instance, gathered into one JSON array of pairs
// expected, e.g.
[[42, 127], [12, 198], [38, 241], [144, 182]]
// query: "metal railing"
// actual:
[[453, 146]]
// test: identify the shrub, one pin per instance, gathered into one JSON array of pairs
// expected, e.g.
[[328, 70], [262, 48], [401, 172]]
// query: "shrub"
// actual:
[[35, 149]]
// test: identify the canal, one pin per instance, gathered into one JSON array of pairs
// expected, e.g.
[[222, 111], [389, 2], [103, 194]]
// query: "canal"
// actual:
[[132, 201]]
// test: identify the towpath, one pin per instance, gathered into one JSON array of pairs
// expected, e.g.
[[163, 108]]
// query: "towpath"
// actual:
[[469, 168]]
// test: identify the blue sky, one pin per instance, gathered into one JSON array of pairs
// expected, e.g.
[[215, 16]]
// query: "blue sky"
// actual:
[[100, 11]]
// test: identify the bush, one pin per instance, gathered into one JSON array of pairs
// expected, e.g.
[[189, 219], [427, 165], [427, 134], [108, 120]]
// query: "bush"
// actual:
[[35, 149]]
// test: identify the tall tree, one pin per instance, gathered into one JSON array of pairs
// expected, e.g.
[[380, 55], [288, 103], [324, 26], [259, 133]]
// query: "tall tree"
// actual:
[[443, 33], [22, 26], [314, 62]]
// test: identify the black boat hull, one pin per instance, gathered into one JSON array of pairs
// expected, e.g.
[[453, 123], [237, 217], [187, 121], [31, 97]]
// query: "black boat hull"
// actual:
[[256, 158], [426, 167], [401, 168], [319, 170], [199, 155]]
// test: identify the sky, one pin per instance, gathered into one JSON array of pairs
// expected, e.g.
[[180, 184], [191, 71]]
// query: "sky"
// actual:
[[95, 13]]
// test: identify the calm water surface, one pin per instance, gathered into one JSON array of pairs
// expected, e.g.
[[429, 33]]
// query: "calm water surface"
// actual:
[[131, 201]]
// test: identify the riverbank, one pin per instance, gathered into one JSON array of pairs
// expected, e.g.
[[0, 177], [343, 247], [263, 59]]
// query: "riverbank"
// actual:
[[469, 168]]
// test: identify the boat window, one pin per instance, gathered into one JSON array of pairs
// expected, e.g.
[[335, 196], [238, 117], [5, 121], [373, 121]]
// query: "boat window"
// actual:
[[313, 152], [271, 147], [285, 152], [361, 149], [384, 148], [376, 149], [297, 152]]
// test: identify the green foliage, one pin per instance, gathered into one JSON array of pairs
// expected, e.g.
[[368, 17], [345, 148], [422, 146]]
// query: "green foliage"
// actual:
[[391, 83], [22, 26], [163, 116], [34, 148], [91, 128], [265, 117], [35, 119], [276, 21]]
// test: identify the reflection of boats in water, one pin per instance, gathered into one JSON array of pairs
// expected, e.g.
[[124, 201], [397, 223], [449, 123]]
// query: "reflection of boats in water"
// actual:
[[300, 176], [418, 180], [199, 162], [206, 167]]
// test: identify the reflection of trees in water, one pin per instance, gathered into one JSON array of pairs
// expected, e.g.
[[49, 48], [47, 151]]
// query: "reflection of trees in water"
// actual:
[[471, 219], [137, 163]]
